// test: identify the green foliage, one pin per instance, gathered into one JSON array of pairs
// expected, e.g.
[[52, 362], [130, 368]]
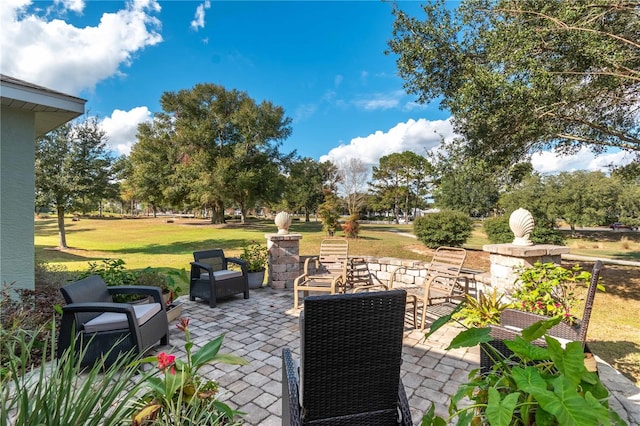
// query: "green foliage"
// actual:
[[351, 227], [169, 281], [63, 392], [445, 228], [112, 271], [328, 213], [181, 392], [566, 86], [482, 312], [549, 289], [499, 232], [537, 385], [256, 256], [305, 183]]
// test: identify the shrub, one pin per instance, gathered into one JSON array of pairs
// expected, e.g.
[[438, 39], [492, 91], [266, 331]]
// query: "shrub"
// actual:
[[351, 227], [256, 256], [499, 232], [446, 228]]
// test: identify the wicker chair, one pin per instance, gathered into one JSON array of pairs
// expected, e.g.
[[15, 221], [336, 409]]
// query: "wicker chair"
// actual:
[[441, 281], [106, 329], [512, 320], [211, 279], [326, 272], [349, 373]]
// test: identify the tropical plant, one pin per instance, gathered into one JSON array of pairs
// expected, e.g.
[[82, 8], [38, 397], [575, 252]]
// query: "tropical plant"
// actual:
[[168, 280], [549, 289], [255, 256], [482, 311], [62, 392], [536, 385], [181, 393]]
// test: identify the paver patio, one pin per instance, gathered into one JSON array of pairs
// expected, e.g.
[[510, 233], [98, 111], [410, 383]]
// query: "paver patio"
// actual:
[[258, 328]]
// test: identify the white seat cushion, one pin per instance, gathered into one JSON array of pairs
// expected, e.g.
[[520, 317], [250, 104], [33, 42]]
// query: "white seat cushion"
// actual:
[[226, 274], [115, 321]]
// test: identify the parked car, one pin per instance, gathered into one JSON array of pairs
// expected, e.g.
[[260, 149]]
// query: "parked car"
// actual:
[[617, 225]]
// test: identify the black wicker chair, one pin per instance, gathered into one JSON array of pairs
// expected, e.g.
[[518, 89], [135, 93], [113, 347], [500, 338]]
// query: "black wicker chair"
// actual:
[[349, 373], [211, 279], [512, 320], [106, 329]]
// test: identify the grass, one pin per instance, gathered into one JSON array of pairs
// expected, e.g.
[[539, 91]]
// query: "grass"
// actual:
[[614, 331]]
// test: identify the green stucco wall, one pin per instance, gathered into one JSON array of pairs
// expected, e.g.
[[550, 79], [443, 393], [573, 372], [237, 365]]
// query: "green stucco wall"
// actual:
[[17, 189]]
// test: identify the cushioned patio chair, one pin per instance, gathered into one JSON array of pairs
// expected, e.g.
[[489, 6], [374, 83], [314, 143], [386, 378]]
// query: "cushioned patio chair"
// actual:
[[440, 282], [110, 329], [211, 279], [326, 272], [349, 370], [512, 321]]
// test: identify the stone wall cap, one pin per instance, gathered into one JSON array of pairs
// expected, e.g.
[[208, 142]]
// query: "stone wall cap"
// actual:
[[525, 251], [283, 237]]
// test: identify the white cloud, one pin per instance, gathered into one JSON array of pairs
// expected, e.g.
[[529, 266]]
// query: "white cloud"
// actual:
[[548, 162], [121, 128], [418, 136], [380, 101], [55, 54], [198, 19]]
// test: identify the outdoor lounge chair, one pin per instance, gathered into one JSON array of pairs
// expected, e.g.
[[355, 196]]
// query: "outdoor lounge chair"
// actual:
[[349, 372], [211, 279], [512, 320], [326, 272], [442, 281], [110, 329]]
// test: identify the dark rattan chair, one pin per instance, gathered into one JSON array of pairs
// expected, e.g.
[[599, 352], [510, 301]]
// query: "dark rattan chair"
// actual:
[[349, 373], [211, 279], [512, 320], [110, 329]]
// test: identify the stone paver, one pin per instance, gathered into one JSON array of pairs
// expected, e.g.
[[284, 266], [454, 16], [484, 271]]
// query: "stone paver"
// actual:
[[260, 327]]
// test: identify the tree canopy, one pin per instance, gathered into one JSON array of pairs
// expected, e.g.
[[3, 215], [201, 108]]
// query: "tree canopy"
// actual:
[[521, 76]]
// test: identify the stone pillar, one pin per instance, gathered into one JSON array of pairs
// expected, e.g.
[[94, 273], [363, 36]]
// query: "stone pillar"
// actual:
[[505, 258], [284, 259]]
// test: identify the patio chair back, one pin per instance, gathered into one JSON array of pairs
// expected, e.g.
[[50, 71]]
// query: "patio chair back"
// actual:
[[351, 351], [333, 257], [446, 262], [214, 258]]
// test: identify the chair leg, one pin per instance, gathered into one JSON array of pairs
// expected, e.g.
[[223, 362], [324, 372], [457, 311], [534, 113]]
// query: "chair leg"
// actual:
[[424, 316], [165, 340], [295, 298]]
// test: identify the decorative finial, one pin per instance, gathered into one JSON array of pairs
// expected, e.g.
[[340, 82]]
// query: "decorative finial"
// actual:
[[283, 221], [521, 224]]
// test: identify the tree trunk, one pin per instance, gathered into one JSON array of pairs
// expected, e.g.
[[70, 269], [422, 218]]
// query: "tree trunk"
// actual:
[[155, 210], [217, 212], [243, 213], [61, 231], [307, 217]]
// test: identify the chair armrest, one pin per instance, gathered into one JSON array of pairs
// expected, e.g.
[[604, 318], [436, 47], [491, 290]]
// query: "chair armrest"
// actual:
[[155, 292], [239, 262], [306, 264], [205, 266], [119, 308], [290, 390], [521, 319]]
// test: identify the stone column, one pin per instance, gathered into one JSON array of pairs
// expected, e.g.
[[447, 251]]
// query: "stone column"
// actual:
[[505, 258], [284, 259]]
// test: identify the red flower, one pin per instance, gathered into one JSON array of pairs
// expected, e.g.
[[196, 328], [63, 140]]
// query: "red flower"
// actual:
[[165, 360], [183, 324]]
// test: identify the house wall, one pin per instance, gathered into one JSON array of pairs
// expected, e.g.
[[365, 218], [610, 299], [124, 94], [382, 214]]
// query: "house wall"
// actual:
[[17, 179]]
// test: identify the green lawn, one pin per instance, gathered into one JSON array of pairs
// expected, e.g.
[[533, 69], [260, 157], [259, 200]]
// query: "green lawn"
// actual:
[[615, 333]]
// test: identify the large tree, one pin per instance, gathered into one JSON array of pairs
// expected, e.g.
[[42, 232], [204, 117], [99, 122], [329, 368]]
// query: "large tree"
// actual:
[[353, 174], [229, 143], [73, 167], [306, 184], [524, 75]]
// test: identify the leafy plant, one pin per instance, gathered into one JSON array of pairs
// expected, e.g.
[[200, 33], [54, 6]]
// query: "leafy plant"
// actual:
[[351, 227], [549, 289], [181, 393], [61, 392], [112, 271], [534, 386], [255, 256], [483, 311], [445, 228], [169, 280]]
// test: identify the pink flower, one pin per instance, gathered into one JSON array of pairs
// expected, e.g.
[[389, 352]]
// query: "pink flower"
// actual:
[[183, 324], [165, 360]]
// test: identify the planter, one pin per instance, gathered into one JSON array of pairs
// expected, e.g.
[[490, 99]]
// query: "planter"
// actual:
[[173, 311], [255, 279]]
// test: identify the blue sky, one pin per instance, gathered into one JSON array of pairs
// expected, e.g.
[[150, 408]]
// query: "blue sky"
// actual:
[[323, 62]]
